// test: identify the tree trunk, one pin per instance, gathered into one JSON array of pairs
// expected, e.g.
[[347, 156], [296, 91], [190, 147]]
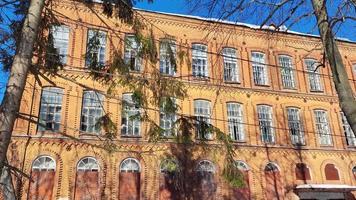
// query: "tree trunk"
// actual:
[[7, 187], [346, 96], [18, 74]]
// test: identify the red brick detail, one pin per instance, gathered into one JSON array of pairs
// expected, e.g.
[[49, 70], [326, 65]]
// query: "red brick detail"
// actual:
[[274, 186], [87, 185], [167, 187], [302, 172], [331, 173], [42, 186], [242, 193], [129, 186]]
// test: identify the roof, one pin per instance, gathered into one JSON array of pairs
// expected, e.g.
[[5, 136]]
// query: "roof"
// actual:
[[282, 29]]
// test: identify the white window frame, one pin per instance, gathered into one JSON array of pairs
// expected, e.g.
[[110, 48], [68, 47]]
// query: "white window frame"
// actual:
[[200, 66], [241, 165], [165, 65], [88, 164], [44, 163], [206, 166], [101, 51], [315, 80], [295, 124], [322, 127], [50, 109], [167, 121], [131, 54], [349, 134], [235, 121], [259, 68], [60, 36], [92, 111], [130, 127], [202, 112], [265, 118], [231, 67], [130, 165], [287, 71]]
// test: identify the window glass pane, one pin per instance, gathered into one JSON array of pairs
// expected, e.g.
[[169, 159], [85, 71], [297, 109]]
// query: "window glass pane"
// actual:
[[44, 163], [167, 120], [88, 164], [287, 71], [60, 41], [230, 65], [206, 166], [51, 109], [266, 123], [167, 52], [96, 46], [313, 74], [202, 112], [322, 127], [349, 134], [132, 51], [295, 126], [130, 165], [200, 61], [130, 117], [259, 68], [235, 121], [92, 111]]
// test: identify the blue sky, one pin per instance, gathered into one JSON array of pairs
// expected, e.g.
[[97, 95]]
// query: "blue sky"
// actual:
[[181, 7]]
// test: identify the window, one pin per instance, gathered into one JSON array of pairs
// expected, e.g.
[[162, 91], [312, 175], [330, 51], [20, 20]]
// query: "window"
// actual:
[[206, 166], [88, 164], [132, 52], [314, 75], [354, 171], [167, 119], [322, 127], [202, 113], [302, 172], [274, 185], [235, 121], [259, 68], [287, 71], [92, 111], [231, 71], [200, 61], [87, 179], [130, 165], [51, 109], [42, 176], [331, 173], [167, 53], [96, 46], [130, 181], [130, 117], [205, 181], [295, 125], [168, 180], [44, 163], [241, 165], [350, 136], [242, 192], [265, 122], [60, 36]]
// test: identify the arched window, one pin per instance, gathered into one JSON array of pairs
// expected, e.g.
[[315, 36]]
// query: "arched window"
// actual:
[[130, 165], [302, 172], [87, 179], [354, 171], [169, 169], [331, 173], [44, 163], [43, 174], [205, 180], [88, 164], [129, 186], [274, 186], [243, 192]]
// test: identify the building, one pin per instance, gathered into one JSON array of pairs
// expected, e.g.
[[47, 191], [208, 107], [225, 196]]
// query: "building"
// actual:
[[261, 87]]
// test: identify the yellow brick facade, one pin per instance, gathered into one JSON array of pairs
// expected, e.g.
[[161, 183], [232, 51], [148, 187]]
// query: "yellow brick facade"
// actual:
[[71, 145]]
